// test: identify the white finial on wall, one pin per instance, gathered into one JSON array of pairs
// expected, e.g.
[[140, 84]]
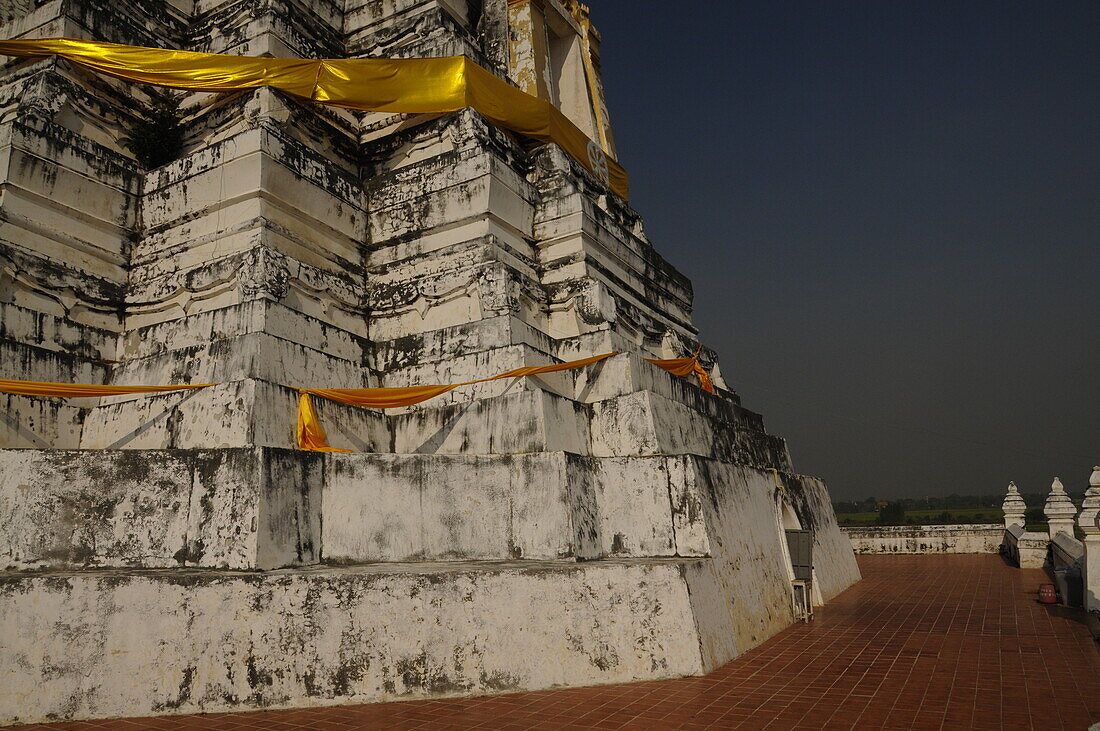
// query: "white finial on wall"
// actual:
[[1089, 519], [1014, 506], [1059, 509]]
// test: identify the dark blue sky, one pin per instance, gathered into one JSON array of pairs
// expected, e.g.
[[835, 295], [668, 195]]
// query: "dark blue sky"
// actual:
[[891, 215]]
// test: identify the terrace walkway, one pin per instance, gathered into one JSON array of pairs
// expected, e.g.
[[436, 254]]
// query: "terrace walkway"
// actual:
[[928, 642]]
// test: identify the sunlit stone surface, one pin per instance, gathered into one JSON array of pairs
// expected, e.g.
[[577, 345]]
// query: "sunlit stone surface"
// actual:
[[175, 553]]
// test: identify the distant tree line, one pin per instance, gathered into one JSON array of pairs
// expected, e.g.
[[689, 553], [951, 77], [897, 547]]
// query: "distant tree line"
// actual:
[[952, 509], [950, 502]]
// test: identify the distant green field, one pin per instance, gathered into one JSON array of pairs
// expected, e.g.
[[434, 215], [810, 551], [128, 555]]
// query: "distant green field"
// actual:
[[930, 517]]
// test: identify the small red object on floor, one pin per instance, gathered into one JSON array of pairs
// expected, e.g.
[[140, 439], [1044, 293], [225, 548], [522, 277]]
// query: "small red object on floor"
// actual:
[[1047, 594]]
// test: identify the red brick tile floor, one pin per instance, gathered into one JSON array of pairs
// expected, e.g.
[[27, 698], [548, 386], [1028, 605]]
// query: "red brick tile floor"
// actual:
[[923, 642]]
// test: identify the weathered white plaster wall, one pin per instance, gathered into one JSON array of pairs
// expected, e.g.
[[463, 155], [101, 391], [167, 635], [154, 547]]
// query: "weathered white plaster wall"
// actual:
[[267, 508], [232, 508], [605, 525], [92, 645], [447, 507], [835, 566], [743, 596]]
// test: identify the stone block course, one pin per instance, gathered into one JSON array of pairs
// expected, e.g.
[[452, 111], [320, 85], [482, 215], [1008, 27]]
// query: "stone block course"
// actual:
[[841, 670], [670, 540], [207, 641], [149, 509]]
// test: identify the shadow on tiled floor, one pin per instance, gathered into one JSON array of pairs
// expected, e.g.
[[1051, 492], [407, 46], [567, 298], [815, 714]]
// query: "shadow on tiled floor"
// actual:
[[928, 642]]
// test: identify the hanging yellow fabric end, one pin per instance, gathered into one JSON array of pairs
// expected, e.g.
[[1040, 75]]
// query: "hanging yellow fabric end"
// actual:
[[704, 377], [700, 372], [684, 367], [311, 435]]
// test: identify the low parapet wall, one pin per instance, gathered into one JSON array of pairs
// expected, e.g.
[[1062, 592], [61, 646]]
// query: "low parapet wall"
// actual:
[[926, 538]]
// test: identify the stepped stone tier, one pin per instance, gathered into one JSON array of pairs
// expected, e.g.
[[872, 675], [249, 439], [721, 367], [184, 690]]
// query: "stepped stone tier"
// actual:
[[175, 552]]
